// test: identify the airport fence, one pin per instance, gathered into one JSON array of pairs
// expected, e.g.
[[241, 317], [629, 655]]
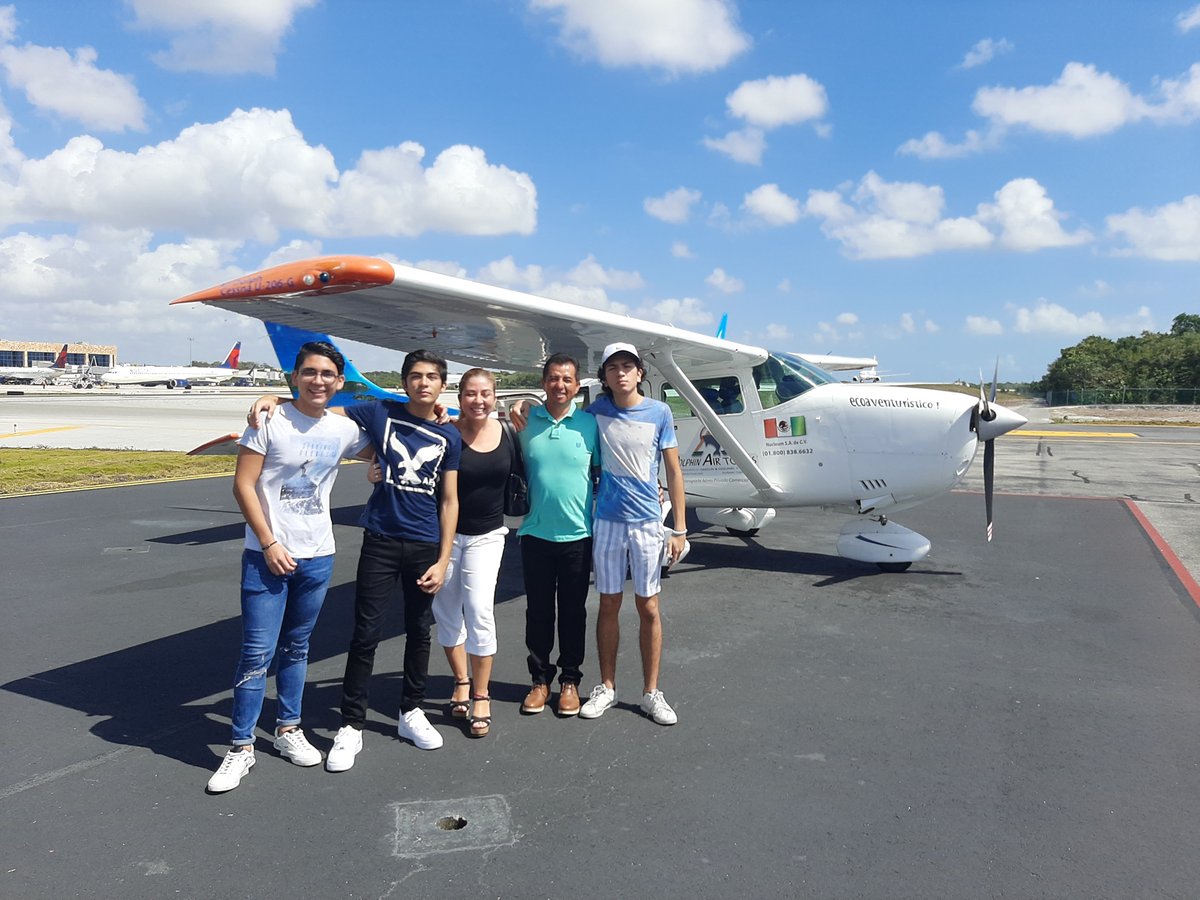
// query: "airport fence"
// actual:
[[1161, 396]]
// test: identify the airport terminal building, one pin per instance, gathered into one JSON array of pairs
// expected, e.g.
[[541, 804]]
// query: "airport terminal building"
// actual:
[[35, 353]]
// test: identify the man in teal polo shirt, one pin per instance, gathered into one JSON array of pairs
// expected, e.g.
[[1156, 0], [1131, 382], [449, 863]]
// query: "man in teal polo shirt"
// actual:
[[561, 446]]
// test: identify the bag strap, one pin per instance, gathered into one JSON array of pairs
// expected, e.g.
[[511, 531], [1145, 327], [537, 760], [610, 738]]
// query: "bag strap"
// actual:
[[516, 458]]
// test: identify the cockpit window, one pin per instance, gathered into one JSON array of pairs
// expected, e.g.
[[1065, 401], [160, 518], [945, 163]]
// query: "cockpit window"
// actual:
[[782, 376], [723, 394]]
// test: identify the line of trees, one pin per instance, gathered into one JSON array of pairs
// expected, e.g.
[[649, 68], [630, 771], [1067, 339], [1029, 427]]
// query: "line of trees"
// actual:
[[1149, 360]]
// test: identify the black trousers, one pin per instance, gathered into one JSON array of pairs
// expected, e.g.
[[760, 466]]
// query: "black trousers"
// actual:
[[382, 561], [556, 579]]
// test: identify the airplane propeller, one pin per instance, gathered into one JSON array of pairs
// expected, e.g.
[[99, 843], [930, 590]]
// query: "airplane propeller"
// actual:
[[991, 421]]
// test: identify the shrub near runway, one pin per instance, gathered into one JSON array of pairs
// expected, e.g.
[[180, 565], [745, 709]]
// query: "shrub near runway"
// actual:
[[29, 471]]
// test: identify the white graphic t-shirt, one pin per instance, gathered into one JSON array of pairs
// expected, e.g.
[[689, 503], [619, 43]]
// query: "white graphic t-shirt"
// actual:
[[302, 455]]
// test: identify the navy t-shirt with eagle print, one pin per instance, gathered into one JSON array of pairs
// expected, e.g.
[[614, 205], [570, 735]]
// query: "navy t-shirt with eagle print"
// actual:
[[414, 453]]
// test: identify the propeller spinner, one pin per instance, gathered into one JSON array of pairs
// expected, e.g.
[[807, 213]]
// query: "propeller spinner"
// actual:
[[991, 421]]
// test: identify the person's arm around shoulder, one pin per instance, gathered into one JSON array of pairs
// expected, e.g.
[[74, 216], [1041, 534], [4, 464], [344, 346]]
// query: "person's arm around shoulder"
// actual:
[[435, 576], [268, 403], [245, 480]]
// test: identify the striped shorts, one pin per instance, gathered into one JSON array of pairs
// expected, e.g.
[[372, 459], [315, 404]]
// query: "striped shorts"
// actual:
[[636, 544]]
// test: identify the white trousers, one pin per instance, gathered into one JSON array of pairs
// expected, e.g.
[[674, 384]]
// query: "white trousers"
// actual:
[[463, 608]]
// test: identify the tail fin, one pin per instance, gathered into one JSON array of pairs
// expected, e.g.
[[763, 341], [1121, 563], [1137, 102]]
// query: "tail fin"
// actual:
[[721, 327], [231, 361], [287, 342], [60, 361]]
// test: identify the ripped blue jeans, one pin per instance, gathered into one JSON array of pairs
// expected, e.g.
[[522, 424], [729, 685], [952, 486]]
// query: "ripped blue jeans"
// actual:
[[278, 612]]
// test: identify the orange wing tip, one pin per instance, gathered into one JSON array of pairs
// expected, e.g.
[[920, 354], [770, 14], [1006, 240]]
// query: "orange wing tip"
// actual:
[[225, 445], [326, 275]]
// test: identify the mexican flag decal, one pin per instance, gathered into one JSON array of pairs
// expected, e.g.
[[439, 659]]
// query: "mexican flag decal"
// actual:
[[780, 428]]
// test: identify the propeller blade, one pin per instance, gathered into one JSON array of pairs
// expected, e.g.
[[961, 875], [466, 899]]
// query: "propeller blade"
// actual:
[[989, 479], [995, 379]]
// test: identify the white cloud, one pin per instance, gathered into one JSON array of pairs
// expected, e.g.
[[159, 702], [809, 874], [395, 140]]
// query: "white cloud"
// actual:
[[981, 325], [777, 332], [778, 100], [221, 36], [907, 325], [932, 327], [8, 23], [745, 146], [1098, 288], [1050, 318], [1188, 19], [673, 206], [687, 312], [1027, 218], [878, 219], [772, 205], [253, 175], [589, 273], [724, 282], [677, 36], [680, 250], [985, 51], [784, 286], [506, 273], [934, 146], [1168, 232], [73, 87], [592, 297], [847, 319], [1083, 102]]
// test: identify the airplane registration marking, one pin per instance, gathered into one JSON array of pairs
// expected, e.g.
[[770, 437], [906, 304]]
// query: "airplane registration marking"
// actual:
[[41, 431]]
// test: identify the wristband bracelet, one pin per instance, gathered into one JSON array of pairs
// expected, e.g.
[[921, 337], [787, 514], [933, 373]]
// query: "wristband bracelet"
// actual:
[[269, 546], [678, 533]]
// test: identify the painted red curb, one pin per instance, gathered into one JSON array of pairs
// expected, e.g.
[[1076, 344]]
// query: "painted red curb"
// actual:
[[1180, 570]]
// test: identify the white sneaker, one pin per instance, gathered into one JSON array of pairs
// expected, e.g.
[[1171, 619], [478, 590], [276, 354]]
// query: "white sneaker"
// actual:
[[655, 705], [294, 745], [413, 726], [347, 744], [601, 699], [233, 769]]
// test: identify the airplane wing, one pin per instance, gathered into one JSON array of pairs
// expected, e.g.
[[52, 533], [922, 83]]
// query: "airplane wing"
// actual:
[[402, 308], [831, 363]]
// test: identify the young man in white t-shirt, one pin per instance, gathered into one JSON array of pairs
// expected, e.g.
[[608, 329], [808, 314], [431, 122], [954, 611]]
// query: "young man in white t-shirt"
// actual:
[[285, 471]]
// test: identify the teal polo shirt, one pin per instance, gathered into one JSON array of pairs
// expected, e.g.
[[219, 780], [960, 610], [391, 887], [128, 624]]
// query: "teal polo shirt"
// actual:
[[559, 457]]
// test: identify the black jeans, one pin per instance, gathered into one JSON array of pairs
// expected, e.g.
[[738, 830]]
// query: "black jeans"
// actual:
[[556, 570], [383, 560]]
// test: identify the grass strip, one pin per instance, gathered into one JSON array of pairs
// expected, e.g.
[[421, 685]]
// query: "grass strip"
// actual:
[[26, 471]]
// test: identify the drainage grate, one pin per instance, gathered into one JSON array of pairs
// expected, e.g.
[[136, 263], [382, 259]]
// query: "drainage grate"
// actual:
[[424, 827]]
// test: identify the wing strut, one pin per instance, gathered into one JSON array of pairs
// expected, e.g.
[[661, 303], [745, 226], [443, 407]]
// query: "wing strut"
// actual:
[[665, 362]]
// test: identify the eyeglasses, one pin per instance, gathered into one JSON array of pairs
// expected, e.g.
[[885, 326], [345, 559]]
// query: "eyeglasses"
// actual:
[[319, 375]]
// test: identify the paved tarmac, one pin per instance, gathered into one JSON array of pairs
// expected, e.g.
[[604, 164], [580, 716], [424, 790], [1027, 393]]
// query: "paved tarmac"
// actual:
[[1014, 719]]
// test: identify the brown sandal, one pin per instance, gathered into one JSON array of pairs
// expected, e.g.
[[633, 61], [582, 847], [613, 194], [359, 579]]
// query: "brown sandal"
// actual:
[[480, 725], [460, 708]]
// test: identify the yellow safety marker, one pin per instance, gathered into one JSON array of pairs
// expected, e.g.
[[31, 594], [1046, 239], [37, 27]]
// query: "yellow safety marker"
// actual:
[[41, 431]]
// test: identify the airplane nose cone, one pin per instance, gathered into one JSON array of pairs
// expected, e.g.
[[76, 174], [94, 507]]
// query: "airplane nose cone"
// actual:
[[1005, 420]]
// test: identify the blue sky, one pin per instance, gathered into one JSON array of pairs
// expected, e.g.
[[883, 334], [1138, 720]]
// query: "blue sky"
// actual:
[[936, 183]]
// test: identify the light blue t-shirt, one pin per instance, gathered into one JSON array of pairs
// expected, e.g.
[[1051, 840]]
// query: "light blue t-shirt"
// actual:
[[558, 465], [631, 444]]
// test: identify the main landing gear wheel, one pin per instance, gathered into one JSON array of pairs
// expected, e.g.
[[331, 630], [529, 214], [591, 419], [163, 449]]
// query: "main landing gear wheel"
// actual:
[[894, 566]]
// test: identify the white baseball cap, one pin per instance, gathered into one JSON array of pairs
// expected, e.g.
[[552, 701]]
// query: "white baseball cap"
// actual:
[[619, 347]]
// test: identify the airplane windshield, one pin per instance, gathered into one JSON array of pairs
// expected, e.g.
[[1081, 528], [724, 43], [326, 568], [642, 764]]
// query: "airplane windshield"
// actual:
[[782, 376]]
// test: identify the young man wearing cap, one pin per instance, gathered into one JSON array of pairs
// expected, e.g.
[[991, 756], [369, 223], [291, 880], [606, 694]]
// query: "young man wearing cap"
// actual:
[[634, 432]]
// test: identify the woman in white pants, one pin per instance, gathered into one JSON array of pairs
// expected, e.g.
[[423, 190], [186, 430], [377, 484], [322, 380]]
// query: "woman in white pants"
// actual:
[[463, 608]]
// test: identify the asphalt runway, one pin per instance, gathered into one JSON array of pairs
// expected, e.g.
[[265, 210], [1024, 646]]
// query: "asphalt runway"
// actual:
[[1014, 719]]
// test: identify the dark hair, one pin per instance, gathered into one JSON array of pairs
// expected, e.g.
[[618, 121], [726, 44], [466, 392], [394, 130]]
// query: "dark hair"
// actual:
[[641, 366], [560, 359], [475, 373], [426, 356], [321, 348]]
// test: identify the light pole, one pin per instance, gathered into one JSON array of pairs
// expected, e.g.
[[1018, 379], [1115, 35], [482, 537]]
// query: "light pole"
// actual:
[[191, 357]]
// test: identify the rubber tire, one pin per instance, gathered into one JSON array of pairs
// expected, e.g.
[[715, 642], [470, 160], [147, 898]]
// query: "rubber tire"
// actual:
[[894, 566]]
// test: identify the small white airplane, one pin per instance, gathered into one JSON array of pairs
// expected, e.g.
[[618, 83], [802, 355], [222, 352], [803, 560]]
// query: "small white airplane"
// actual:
[[175, 376], [757, 430], [36, 374]]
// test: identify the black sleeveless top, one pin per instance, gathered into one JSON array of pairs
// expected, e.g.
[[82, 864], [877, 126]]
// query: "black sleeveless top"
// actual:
[[482, 478]]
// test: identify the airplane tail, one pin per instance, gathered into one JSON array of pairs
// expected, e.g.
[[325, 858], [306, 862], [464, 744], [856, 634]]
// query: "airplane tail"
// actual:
[[722, 326], [231, 361], [287, 342], [60, 361]]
